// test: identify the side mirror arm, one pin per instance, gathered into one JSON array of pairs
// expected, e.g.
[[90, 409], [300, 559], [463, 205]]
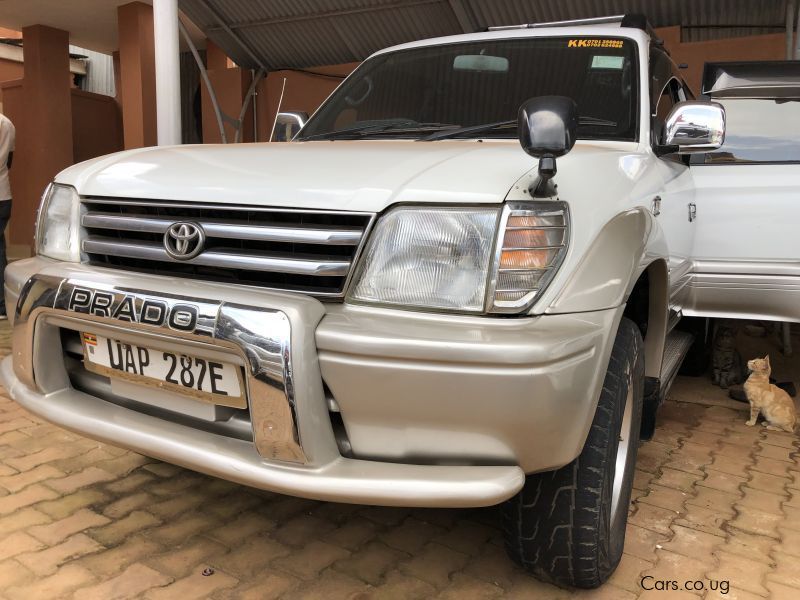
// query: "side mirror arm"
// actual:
[[664, 149]]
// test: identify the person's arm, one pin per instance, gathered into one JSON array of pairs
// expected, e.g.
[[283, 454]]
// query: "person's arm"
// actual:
[[10, 158]]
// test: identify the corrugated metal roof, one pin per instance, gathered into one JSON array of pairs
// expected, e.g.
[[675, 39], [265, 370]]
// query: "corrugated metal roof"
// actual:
[[305, 33]]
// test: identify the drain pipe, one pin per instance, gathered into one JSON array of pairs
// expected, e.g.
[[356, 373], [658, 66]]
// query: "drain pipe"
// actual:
[[251, 92], [212, 95]]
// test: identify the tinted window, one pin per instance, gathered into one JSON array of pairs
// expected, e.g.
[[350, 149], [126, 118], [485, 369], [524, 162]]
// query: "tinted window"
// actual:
[[484, 82], [759, 130]]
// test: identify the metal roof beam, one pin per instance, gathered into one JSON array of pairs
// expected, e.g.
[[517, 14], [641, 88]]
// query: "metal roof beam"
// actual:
[[234, 36], [321, 15], [460, 12]]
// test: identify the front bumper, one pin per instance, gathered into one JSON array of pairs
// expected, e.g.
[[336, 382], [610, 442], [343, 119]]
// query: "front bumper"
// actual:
[[440, 411]]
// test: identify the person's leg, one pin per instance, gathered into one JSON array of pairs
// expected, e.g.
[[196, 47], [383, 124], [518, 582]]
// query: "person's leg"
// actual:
[[5, 215]]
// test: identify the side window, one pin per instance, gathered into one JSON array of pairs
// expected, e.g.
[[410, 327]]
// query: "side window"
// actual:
[[759, 130], [669, 97], [665, 89]]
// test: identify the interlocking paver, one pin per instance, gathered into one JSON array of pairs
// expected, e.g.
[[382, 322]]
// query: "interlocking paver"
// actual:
[[252, 557], [17, 543], [312, 559], [112, 561], [66, 505], [786, 570], [72, 483], [133, 581], [30, 495], [332, 584], [434, 564], [789, 541], [301, 529], [676, 567], [778, 591], [691, 543], [46, 562], [653, 517], [769, 483], [193, 586], [466, 587], [764, 501], [723, 482], [117, 531], [679, 480], [352, 534], [18, 481], [758, 522], [411, 535], [628, 575], [665, 497], [56, 532], [748, 545], [13, 574], [371, 562], [642, 542], [192, 556], [741, 572], [399, 586], [713, 499], [58, 585]]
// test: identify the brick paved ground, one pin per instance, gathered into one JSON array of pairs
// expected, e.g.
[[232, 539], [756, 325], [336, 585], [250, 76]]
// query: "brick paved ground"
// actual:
[[714, 500]]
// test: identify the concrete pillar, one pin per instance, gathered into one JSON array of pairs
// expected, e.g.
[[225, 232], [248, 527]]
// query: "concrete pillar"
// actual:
[[137, 74], [168, 72], [43, 122]]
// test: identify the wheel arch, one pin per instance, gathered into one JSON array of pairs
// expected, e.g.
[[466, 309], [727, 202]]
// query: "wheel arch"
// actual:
[[647, 305]]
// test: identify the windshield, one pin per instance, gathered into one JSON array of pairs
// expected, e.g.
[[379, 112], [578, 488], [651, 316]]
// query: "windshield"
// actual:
[[411, 93]]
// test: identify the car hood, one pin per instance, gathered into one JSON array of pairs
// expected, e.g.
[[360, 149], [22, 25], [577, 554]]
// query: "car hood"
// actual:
[[342, 175]]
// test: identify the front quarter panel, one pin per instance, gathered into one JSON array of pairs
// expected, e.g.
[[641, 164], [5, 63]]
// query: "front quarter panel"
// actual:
[[612, 264]]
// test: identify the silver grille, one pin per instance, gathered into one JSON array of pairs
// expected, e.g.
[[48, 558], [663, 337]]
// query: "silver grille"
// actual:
[[296, 250]]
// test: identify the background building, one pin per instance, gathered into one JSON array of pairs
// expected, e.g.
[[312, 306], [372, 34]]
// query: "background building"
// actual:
[[78, 78]]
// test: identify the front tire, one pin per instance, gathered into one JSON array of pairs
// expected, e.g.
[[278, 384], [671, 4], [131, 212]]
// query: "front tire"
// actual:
[[568, 526]]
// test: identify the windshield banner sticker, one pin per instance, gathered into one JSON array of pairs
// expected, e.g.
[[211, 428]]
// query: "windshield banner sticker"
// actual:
[[594, 43]]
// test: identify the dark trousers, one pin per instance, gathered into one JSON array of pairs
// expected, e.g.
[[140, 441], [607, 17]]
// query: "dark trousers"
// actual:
[[5, 215]]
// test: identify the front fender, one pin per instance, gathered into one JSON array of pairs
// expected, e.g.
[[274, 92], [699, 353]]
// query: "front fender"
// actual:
[[612, 265]]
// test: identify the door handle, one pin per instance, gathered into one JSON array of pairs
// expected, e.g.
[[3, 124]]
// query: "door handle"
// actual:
[[655, 206], [692, 211]]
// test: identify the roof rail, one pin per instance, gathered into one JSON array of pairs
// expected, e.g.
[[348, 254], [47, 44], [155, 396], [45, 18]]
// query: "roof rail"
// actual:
[[591, 21], [634, 21]]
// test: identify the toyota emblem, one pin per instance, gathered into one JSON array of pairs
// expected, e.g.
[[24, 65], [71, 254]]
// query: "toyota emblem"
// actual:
[[184, 241]]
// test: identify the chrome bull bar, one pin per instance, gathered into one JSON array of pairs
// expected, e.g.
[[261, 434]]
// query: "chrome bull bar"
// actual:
[[261, 336]]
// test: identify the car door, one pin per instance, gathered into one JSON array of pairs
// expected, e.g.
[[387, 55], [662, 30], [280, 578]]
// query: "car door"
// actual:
[[746, 250], [672, 205]]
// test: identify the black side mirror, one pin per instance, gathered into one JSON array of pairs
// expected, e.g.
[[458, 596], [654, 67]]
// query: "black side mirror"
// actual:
[[548, 126]]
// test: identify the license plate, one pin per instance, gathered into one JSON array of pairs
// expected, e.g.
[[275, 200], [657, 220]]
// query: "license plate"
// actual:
[[200, 378]]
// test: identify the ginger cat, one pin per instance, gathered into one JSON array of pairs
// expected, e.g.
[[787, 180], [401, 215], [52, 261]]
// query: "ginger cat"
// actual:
[[770, 400]]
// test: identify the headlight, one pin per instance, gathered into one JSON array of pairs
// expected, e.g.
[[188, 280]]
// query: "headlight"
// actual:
[[59, 225], [435, 258], [452, 258]]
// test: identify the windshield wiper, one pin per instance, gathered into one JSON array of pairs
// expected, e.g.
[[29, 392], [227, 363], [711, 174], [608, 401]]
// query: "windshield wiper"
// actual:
[[376, 128], [596, 122], [451, 133]]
